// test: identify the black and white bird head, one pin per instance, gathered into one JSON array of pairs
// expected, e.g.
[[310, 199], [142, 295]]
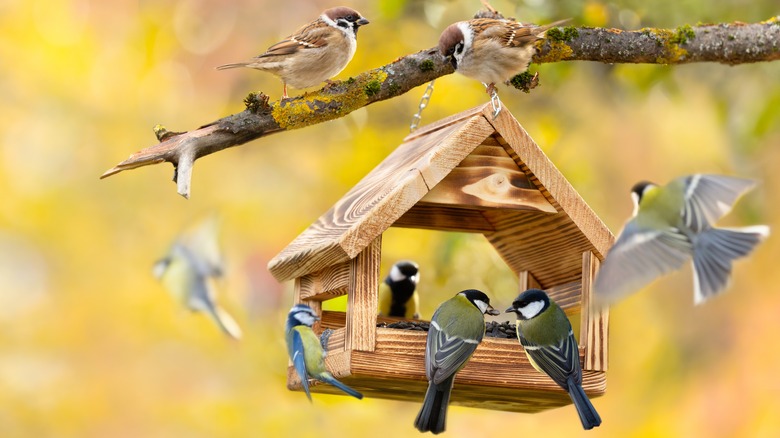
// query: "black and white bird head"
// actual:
[[345, 19], [638, 191], [301, 314], [405, 270], [480, 300], [530, 304]]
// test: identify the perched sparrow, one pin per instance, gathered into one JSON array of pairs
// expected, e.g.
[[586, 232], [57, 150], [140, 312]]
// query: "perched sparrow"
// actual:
[[316, 52], [491, 50], [673, 224]]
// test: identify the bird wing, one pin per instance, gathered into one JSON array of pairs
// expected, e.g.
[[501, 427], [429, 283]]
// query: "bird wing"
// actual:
[[298, 357], [639, 256], [385, 298], [557, 361], [709, 197], [311, 36], [447, 354]]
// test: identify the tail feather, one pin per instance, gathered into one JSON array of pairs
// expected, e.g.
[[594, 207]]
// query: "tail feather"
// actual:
[[433, 414], [588, 415], [225, 322], [332, 380], [713, 253]]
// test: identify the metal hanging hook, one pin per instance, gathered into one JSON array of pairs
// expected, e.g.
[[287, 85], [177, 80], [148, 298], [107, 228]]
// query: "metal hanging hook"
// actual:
[[423, 104]]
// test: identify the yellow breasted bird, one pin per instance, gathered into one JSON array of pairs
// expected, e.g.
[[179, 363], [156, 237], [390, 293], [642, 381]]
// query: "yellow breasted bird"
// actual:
[[187, 272], [398, 292], [546, 335], [457, 327], [672, 224], [306, 352]]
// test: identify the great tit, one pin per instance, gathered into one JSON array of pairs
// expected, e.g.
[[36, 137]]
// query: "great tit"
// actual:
[[457, 327], [546, 335], [671, 224], [187, 272], [307, 353], [397, 294]]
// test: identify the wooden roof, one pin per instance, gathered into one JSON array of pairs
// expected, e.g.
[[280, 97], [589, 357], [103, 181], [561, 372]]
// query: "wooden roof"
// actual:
[[468, 172]]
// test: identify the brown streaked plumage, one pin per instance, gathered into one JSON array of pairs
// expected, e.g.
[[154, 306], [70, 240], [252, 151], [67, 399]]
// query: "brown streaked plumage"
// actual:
[[314, 53], [491, 50]]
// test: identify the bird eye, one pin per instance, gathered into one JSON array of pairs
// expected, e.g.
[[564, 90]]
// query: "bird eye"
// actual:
[[352, 17]]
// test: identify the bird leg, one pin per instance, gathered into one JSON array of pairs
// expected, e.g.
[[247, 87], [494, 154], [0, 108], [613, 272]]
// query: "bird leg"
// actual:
[[284, 92]]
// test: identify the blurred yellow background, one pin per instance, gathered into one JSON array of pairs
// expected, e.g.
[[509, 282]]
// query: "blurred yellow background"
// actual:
[[92, 346]]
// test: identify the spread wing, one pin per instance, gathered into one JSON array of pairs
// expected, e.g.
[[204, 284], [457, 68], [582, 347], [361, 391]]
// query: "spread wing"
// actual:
[[445, 354], [310, 36], [638, 257], [709, 197], [557, 361], [298, 359]]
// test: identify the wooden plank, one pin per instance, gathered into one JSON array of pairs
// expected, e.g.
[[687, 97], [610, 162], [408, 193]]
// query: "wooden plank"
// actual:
[[594, 328], [497, 377], [552, 181], [380, 198], [487, 187], [331, 282], [362, 298], [550, 246], [568, 296], [444, 218], [301, 288], [526, 281]]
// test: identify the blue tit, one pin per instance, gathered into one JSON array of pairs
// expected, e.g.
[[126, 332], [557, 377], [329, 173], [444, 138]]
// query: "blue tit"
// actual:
[[671, 224], [546, 335], [187, 271], [398, 293], [457, 327], [306, 352]]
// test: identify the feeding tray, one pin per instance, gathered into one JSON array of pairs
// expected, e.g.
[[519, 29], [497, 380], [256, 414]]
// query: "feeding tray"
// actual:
[[467, 173]]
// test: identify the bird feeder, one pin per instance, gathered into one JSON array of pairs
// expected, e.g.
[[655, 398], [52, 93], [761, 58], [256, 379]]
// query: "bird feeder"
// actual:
[[474, 173]]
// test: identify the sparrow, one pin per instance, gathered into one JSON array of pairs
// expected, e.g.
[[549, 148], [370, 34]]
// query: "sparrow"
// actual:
[[306, 352], [187, 270], [457, 327], [397, 294], [548, 340], [314, 53], [672, 224], [491, 50]]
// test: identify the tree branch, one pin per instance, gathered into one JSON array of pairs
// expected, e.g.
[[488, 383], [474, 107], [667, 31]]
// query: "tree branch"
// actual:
[[732, 44]]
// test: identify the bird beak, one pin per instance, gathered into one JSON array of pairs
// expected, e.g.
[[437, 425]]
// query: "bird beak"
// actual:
[[492, 311], [362, 22], [509, 310]]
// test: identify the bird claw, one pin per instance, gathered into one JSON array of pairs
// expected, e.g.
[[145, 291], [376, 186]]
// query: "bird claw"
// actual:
[[324, 337]]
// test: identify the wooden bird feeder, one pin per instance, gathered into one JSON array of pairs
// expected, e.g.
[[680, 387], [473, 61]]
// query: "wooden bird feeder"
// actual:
[[466, 173]]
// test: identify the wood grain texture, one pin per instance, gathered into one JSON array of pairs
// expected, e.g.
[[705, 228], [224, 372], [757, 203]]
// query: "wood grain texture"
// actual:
[[331, 282], [363, 298], [444, 218], [594, 329], [488, 177], [552, 181], [379, 199], [497, 377]]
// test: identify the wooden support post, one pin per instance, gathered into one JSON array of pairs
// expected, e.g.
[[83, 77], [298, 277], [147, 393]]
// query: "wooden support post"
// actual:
[[594, 323], [303, 289], [526, 281], [362, 298]]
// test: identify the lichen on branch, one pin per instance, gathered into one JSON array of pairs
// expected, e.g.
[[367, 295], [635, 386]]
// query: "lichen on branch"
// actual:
[[732, 43]]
